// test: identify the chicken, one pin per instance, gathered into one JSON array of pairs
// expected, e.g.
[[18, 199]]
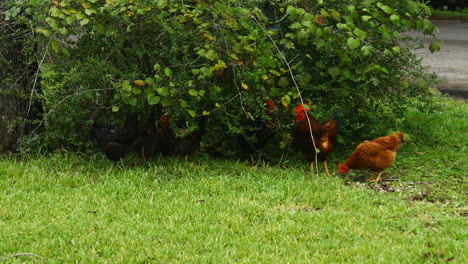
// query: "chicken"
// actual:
[[375, 155], [100, 135], [116, 143], [129, 130], [257, 132], [148, 138], [324, 136], [166, 136], [187, 145]]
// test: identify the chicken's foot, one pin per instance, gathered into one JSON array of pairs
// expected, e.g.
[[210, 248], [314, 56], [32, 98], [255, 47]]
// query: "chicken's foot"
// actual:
[[326, 168], [376, 179]]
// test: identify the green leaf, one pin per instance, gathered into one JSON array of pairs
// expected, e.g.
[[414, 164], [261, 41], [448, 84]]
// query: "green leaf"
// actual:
[[55, 45], [152, 99], [165, 102], [132, 101], [115, 108], [365, 18], [396, 49], [136, 90], [201, 92], [149, 81], [89, 11], [387, 9], [193, 92], [366, 50], [163, 91], [168, 72], [55, 12], [394, 17], [359, 33], [336, 15], [84, 21], [157, 67], [342, 26], [126, 86], [434, 47], [334, 71], [353, 43], [295, 25], [192, 113], [44, 32], [211, 55]]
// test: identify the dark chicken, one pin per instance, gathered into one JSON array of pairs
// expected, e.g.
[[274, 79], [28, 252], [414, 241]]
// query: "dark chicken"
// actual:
[[258, 131], [166, 136], [149, 139], [129, 130], [375, 155], [324, 136], [187, 145], [116, 143]]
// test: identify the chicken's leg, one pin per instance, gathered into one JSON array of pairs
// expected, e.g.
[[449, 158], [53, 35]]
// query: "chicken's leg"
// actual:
[[326, 168], [122, 164], [376, 179]]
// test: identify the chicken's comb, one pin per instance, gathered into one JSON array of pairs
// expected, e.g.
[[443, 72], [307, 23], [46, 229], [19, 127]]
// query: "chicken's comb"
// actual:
[[163, 119], [300, 108], [342, 168], [270, 104]]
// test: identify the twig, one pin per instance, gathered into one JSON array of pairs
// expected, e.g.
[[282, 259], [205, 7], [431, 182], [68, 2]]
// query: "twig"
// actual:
[[37, 74], [295, 84], [32, 256], [63, 100], [239, 92]]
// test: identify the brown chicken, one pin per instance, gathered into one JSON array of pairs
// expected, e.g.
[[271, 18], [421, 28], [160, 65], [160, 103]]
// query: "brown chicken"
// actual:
[[324, 136], [375, 155]]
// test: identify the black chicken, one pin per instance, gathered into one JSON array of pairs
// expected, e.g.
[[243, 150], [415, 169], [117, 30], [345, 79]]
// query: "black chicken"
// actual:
[[166, 136], [187, 145], [257, 132], [149, 138], [116, 143]]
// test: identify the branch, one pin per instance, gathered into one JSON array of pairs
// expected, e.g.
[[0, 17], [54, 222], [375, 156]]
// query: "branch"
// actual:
[[295, 84], [37, 75], [63, 100], [32, 256]]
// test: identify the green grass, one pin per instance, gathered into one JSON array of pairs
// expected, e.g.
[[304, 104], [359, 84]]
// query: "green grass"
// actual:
[[449, 14], [69, 208]]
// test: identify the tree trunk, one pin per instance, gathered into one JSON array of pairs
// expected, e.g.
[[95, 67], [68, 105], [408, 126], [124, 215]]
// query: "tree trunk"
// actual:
[[18, 68]]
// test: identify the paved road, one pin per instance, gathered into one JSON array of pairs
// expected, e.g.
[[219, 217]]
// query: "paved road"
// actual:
[[451, 62]]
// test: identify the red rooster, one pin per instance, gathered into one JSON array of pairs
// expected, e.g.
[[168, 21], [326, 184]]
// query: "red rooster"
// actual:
[[324, 135], [376, 155]]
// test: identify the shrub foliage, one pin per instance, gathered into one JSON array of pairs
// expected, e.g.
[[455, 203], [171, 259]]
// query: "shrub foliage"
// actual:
[[224, 59]]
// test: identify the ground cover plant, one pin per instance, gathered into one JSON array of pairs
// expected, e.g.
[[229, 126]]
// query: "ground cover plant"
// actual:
[[67, 207]]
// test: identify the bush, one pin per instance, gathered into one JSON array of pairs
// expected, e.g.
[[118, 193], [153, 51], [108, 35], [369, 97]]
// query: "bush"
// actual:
[[224, 59]]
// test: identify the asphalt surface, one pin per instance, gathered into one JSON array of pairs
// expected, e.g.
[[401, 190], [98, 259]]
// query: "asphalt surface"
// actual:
[[451, 62]]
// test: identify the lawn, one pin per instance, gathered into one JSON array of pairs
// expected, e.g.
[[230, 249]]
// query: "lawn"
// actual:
[[67, 208], [441, 14]]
